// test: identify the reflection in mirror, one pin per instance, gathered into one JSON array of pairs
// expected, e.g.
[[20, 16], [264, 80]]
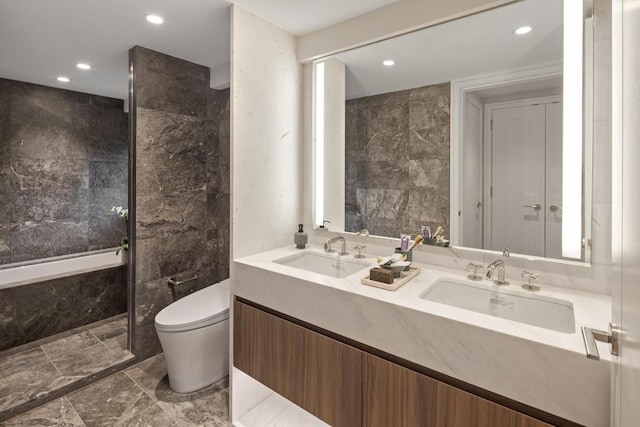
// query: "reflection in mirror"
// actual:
[[460, 126]]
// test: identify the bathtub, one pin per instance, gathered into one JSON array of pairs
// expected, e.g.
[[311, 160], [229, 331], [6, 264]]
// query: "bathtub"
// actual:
[[52, 268]]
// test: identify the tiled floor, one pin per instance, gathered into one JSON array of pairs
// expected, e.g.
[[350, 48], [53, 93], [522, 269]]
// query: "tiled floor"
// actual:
[[138, 396], [51, 367]]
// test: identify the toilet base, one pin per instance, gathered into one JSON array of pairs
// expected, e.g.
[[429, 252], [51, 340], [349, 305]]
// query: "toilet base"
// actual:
[[196, 358]]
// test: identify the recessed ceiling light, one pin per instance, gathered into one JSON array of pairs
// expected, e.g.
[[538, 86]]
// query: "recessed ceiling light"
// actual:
[[389, 62], [63, 79], [522, 30], [83, 66], [154, 19]]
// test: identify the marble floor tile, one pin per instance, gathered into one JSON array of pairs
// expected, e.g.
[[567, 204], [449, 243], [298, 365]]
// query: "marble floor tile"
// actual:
[[73, 343], [28, 356], [56, 413], [209, 406], [26, 385], [88, 361], [115, 400], [113, 334]]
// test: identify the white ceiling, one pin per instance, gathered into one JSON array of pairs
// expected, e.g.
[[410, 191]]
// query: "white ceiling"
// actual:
[[476, 45], [40, 40], [300, 17]]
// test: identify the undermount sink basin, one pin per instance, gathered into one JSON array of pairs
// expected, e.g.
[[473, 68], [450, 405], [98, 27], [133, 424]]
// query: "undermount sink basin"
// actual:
[[544, 312], [329, 265]]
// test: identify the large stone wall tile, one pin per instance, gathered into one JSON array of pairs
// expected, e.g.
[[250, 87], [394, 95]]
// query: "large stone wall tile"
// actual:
[[430, 143], [160, 215], [21, 89], [145, 341], [432, 173], [108, 174], [355, 130], [34, 240], [170, 93], [213, 166], [170, 65], [440, 92], [106, 228], [104, 101], [387, 132], [5, 242], [49, 112], [427, 205], [218, 210], [30, 174], [33, 139], [388, 175], [105, 121], [170, 255], [223, 254], [38, 310], [151, 297], [108, 148], [50, 204]]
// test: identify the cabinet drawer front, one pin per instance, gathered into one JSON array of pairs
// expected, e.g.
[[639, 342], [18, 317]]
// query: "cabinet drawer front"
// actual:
[[315, 372], [396, 396]]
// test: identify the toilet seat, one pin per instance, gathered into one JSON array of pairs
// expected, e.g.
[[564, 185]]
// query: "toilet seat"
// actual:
[[203, 308]]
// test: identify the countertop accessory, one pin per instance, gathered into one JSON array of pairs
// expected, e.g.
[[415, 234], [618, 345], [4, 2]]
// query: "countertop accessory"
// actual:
[[405, 276], [408, 254], [404, 241], [426, 231], [397, 267], [322, 227], [381, 275], [300, 238], [430, 242], [416, 242], [474, 276], [530, 276], [359, 248]]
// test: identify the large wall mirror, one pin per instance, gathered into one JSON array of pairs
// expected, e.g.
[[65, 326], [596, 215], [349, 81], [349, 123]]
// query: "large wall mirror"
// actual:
[[481, 126]]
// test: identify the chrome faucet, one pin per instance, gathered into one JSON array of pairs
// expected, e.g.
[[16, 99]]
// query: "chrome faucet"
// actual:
[[343, 245], [499, 264]]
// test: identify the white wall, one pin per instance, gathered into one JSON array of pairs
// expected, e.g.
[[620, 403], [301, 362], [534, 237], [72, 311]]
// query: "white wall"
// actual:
[[266, 147], [266, 155], [397, 18]]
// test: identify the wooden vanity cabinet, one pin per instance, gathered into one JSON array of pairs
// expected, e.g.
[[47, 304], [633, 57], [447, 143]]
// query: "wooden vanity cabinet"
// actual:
[[315, 372], [396, 396], [348, 387]]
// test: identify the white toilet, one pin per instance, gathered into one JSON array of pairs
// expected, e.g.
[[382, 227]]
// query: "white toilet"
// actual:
[[194, 334]]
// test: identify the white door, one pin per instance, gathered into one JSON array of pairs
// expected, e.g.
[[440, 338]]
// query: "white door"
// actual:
[[518, 179], [553, 191], [472, 174], [626, 210]]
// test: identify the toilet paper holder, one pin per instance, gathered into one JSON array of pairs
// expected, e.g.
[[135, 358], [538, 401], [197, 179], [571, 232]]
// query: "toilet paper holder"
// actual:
[[173, 282]]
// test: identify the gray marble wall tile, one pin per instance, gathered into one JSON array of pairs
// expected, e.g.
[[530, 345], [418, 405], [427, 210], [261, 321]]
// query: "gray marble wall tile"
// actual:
[[160, 215], [166, 256], [31, 312], [108, 174], [397, 161], [50, 204], [54, 146], [182, 185], [34, 240]]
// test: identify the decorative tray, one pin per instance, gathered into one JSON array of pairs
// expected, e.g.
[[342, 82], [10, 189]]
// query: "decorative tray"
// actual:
[[405, 276]]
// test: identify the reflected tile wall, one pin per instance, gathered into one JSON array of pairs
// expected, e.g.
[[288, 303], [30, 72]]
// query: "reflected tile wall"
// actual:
[[397, 161], [61, 153], [182, 185]]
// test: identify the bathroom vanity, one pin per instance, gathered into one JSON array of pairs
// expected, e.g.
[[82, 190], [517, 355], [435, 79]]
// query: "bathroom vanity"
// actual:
[[353, 355]]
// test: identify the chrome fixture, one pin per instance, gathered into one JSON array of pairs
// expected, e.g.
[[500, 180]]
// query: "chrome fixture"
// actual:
[[499, 264], [359, 248], [535, 206], [322, 227], [173, 282], [343, 245], [590, 336], [505, 252], [474, 275], [530, 276]]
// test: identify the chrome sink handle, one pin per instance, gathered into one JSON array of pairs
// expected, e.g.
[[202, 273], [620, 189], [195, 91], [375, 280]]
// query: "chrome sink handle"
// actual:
[[475, 268], [530, 276]]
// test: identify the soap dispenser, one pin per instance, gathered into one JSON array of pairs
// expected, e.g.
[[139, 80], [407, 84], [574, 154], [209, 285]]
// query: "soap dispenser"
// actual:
[[300, 238]]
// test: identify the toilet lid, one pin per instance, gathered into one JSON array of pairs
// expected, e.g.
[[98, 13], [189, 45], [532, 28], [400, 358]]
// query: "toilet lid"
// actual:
[[202, 308]]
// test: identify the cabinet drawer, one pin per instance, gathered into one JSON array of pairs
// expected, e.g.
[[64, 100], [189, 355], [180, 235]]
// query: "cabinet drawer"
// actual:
[[317, 373]]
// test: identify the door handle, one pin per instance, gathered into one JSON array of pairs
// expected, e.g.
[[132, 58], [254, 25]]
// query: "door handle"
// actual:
[[590, 336], [535, 206], [555, 208]]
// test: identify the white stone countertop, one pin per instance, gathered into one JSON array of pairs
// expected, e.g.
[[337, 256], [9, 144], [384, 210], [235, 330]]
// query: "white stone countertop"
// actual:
[[545, 369]]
